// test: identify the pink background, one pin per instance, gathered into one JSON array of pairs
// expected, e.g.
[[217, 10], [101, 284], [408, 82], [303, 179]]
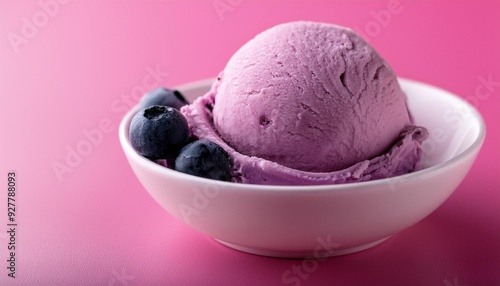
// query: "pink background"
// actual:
[[95, 225]]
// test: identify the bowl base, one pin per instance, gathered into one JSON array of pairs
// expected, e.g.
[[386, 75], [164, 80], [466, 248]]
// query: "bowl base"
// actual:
[[286, 254]]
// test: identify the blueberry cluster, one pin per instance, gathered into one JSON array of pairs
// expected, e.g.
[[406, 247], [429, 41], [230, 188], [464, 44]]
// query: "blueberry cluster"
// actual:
[[160, 131]]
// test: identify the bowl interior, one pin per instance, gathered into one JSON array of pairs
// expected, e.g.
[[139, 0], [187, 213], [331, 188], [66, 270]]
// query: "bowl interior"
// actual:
[[453, 124]]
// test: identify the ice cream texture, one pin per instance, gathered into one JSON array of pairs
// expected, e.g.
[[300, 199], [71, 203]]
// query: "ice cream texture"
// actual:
[[307, 103]]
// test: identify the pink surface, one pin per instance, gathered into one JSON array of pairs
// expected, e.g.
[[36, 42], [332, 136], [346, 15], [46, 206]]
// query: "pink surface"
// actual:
[[69, 70]]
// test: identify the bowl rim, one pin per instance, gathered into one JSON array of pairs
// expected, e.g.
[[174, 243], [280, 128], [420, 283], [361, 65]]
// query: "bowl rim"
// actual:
[[415, 176]]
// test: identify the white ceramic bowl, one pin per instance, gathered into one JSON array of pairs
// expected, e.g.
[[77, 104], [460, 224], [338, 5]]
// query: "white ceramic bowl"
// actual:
[[320, 221]]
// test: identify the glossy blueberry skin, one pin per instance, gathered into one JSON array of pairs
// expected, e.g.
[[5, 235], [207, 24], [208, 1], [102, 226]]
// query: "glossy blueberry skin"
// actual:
[[205, 159], [163, 96], [158, 132]]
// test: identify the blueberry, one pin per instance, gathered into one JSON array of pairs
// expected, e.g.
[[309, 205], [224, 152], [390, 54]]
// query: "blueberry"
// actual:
[[205, 159], [163, 96], [158, 132]]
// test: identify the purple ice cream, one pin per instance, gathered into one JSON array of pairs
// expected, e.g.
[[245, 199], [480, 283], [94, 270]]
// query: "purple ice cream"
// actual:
[[308, 103]]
